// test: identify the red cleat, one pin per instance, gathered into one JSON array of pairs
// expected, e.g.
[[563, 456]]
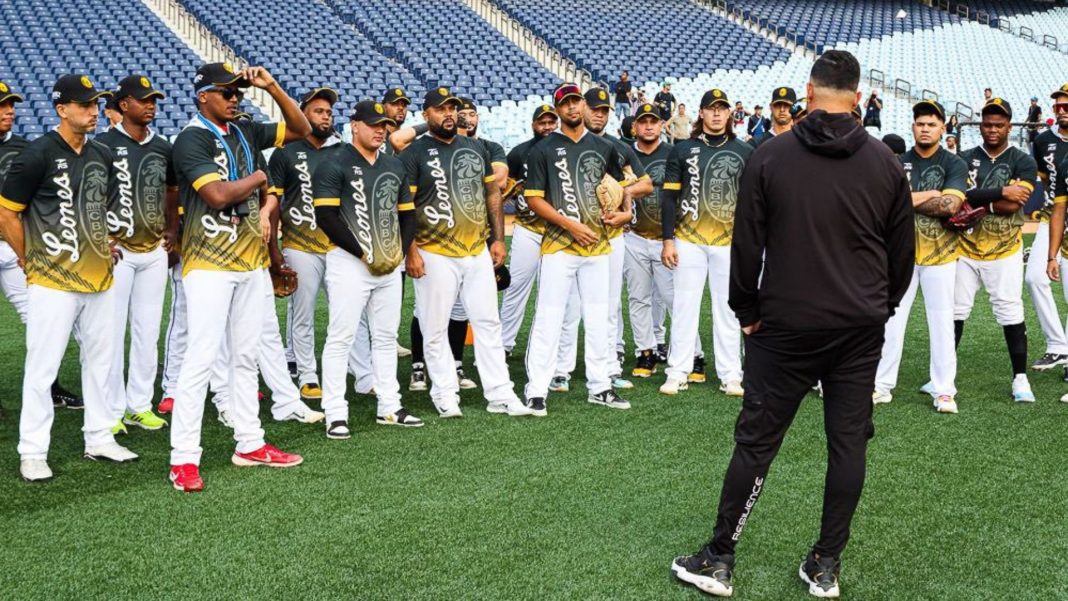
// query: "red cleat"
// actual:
[[186, 478], [166, 405], [267, 455], [261, 397]]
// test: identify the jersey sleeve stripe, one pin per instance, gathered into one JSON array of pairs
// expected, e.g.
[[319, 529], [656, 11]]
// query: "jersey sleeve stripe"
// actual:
[[206, 179], [413, 189], [532, 192], [956, 193], [672, 185], [1026, 184], [280, 135], [274, 190], [11, 205], [327, 202], [406, 206], [489, 179], [1060, 200], [500, 164]]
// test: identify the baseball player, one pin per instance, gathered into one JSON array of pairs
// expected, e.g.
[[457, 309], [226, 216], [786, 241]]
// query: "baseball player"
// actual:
[[700, 195], [649, 282], [1050, 149], [938, 179], [222, 258], [458, 208], [59, 185], [304, 245], [143, 204], [992, 256], [364, 204], [596, 119], [564, 171], [782, 103]]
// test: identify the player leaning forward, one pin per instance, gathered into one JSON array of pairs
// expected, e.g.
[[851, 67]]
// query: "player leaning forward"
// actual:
[[222, 257], [363, 204], [59, 185]]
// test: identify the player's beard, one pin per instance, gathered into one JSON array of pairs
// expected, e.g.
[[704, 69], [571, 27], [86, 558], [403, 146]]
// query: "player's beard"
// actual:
[[323, 133], [440, 131], [926, 146]]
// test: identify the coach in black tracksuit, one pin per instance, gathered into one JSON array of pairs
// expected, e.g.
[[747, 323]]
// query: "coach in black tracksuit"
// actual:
[[825, 212]]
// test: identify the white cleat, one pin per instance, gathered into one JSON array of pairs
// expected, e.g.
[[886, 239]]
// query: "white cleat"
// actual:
[[111, 451], [672, 386], [929, 390], [732, 388], [225, 419], [304, 415], [945, 404], [403, 351], [513, 407], [881, 398], [447, 411], [1021, 390], [35, 470]]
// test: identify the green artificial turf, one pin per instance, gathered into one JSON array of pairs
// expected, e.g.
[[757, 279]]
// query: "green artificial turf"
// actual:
[[588, 503]]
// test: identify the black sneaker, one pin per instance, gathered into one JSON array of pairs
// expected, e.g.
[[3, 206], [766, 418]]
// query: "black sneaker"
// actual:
[[418, 378], [61, 397], [697, 376], [661, 353], [1066, 373], [645, 366], [537, 405], [1049, 361], [609, 398], [620, 357], [338, 430], [821, 575], [710, 573], [292, 369]]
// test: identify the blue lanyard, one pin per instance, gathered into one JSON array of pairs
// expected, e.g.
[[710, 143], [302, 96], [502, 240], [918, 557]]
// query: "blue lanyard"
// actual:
[[231, 160]]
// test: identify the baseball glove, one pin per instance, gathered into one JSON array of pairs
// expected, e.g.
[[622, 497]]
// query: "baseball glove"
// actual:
[[503, 277], [965, 218], [512, 189], [284, 281], [609, 193]]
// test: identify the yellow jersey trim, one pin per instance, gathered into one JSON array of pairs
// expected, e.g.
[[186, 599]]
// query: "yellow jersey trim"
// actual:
[[537, 193], [489, 179], [1030, 187], [672, 186], [495, 163], [280, 135], [956, 193], [1060, 200], [406, 206], [413, 189], [275, 190], [327, 202], [206, 179], [11, 205]]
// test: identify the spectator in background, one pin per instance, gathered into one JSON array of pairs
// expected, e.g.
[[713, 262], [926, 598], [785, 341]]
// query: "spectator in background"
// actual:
[[1034, 115], [758, 123], [678, 127], [953, 127], [626, 129], [872, 108], [951, 144], [639, 99], [987, 95], [111, 111], [624, 92], [739, 116], [665, 102]]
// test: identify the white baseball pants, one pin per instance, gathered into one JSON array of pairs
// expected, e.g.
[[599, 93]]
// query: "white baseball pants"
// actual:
[[300, 311], [1038, 284], [176, 339], [650, 286], [1003, 281], [13, 280], [140, 284]]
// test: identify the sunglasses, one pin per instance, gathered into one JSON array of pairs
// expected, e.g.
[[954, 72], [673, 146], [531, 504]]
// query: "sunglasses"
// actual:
[[228, 93], [1060, 107]]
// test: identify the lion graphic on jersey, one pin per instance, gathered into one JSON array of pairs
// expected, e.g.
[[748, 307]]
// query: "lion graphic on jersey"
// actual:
[[469, 193], [721, 179], [153, 179], [94, 193], [385, 231]]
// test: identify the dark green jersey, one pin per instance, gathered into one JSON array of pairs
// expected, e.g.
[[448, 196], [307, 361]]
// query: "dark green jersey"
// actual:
[[495, 152], [947, 173], [227, 239], [10, 147], [1050, 151], [448, 184], [291, 169], [138, 204], [997, 236], [370, 197], [566, 173], [633, 170], [517, 170], [63, 197], [646, 221], [707, 176]]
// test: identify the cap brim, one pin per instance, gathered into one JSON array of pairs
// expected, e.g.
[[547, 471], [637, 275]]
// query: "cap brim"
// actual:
[[783, 101], [148, 94], [716, 101], [996, 108], [449, 100], [328, 94], [377, 120], [12, 96], [1058, 93], [392, 99], [569, 95], [654, 115], [599, 104], [237, 80]]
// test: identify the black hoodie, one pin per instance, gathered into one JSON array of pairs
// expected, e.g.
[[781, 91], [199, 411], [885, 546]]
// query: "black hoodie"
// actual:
[[827, 215]]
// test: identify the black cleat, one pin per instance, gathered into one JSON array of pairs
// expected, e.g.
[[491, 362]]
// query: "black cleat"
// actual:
[[712, 574], [821, 575], [645, 366], [292, 369], [61, 397], [1049, 361], [537, 405], [661, 353], [697, 376]]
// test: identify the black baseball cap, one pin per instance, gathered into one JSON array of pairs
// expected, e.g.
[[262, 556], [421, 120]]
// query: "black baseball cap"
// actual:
[[597, 97], [439, 97], [566, 90], [218, 74], [799, 109], [467, 104], [111, 104], [395, 95], [76, 88], [371, 113], [647, 110], [137, 87], [714, 96], [928, 107], [6, 93], [543, 109], [1061, 91], [783, 94], [328, 94], [997, 105], [895, 143]]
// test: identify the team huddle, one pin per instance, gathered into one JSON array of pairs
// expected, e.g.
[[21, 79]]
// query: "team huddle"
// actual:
[[94, 227]]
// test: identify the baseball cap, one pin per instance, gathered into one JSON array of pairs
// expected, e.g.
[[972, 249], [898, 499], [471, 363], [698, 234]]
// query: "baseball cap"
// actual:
[[997, 105], [783, 94], [328, 94], [543, 109], [137, 87], [467, 104], [597, 98], [626, 128], [217, 74], [895, 143], [647, 110], [396, 95], [439, 97], [371, 113], [6, 93], [714, 96], [565, 90], [1061, 91], [798, 110], [76, 88], [928, 107], [111, 104]]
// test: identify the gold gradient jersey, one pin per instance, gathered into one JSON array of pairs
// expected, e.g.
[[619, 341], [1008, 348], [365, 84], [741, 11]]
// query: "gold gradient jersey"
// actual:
[[291, 170], [226, 239], [947, 173], [63, 198], [997, 236], [707, 176], [566, 173], [143, 172], [647, 219], [448, 185], [1050, 150]]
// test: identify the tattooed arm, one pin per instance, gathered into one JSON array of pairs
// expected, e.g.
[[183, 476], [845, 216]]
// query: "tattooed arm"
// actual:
[[939, 205]]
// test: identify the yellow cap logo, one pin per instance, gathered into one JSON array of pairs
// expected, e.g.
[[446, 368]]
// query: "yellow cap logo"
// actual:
[[86, 81], [782, 92], [228, 67], [145, 83], [3, 88], [1064, 88], [647, 108], [544, 107], [378, 108], [398, 92], [602, 95], [443, 91], [996, 101], [716, 93]]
